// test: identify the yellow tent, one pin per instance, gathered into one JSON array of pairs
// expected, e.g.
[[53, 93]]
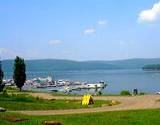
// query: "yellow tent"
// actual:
[[87, 100]]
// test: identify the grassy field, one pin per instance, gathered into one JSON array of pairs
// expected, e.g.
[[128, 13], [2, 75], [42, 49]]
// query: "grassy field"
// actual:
[[138, 117], [25, 102]]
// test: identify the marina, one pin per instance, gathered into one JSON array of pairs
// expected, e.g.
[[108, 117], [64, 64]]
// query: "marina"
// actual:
[[65, 86], [117, 80]]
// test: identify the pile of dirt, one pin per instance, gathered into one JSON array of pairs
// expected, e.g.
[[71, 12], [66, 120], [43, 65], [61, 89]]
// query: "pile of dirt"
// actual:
[[15, 119], [51, 123]]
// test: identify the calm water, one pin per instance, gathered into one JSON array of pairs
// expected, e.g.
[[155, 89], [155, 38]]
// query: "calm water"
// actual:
[[145, 81]]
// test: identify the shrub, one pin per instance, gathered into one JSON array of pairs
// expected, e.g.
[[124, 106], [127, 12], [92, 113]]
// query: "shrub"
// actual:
[[10, 88], [99, 93], [125, 92], [5, 93], [141, 93]]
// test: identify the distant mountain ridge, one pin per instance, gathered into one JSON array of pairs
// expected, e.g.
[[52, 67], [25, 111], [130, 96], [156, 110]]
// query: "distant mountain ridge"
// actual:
[[56, 64], [60, 64]]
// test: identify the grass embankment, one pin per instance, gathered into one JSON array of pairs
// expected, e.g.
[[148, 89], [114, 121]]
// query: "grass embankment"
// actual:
[[26, 102], [137, 117]]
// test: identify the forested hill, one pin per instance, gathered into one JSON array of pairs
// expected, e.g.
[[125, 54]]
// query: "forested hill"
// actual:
[[55, 64], [152, 67], [59, 64]]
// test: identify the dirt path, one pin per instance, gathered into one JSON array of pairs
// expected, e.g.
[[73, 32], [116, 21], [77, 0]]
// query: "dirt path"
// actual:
[[127, 103]]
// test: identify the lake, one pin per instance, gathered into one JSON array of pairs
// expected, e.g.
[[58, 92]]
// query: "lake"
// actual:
[[118, 80]]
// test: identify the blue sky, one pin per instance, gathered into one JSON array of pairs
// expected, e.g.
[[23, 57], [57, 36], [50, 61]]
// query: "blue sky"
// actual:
[[80, 29]]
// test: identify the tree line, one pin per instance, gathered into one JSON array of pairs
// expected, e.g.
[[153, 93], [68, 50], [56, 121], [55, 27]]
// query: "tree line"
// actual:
[[19, 73], [152, 67]]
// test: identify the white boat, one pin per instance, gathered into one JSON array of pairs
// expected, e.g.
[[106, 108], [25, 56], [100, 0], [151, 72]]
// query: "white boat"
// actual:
[[101, 84], [62, 82], [65, 89]]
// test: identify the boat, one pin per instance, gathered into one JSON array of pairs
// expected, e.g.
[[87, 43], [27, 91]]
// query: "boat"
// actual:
[[51, 86], [41, 86], [63, 82], [54, 90], [101, 84]]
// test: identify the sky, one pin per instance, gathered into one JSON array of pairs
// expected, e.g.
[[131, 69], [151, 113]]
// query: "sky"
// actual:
[[79, 29]]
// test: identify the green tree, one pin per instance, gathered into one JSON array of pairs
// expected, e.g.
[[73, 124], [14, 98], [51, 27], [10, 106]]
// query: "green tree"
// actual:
[[125, 92], [19, 75], [1, 78]]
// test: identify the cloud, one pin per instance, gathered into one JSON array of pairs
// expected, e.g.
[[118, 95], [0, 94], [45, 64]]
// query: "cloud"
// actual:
[[150, 15], [55, 42], [89, 31], [7, 53], [92, 30], [102, 22]]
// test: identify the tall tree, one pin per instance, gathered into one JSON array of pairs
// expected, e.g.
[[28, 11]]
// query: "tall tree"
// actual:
[[19, 75], [1, 77]]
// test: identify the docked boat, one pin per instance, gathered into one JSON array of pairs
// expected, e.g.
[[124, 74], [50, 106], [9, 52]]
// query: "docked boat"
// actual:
[[41, 86], [101, 84]]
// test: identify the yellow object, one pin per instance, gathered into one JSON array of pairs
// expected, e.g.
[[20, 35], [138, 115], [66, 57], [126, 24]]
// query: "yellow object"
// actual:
[[87, 99]]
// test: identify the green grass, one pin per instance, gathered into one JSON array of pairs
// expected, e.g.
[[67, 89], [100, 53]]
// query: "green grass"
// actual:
[[25, 102], [137, 117], [64, 94]]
